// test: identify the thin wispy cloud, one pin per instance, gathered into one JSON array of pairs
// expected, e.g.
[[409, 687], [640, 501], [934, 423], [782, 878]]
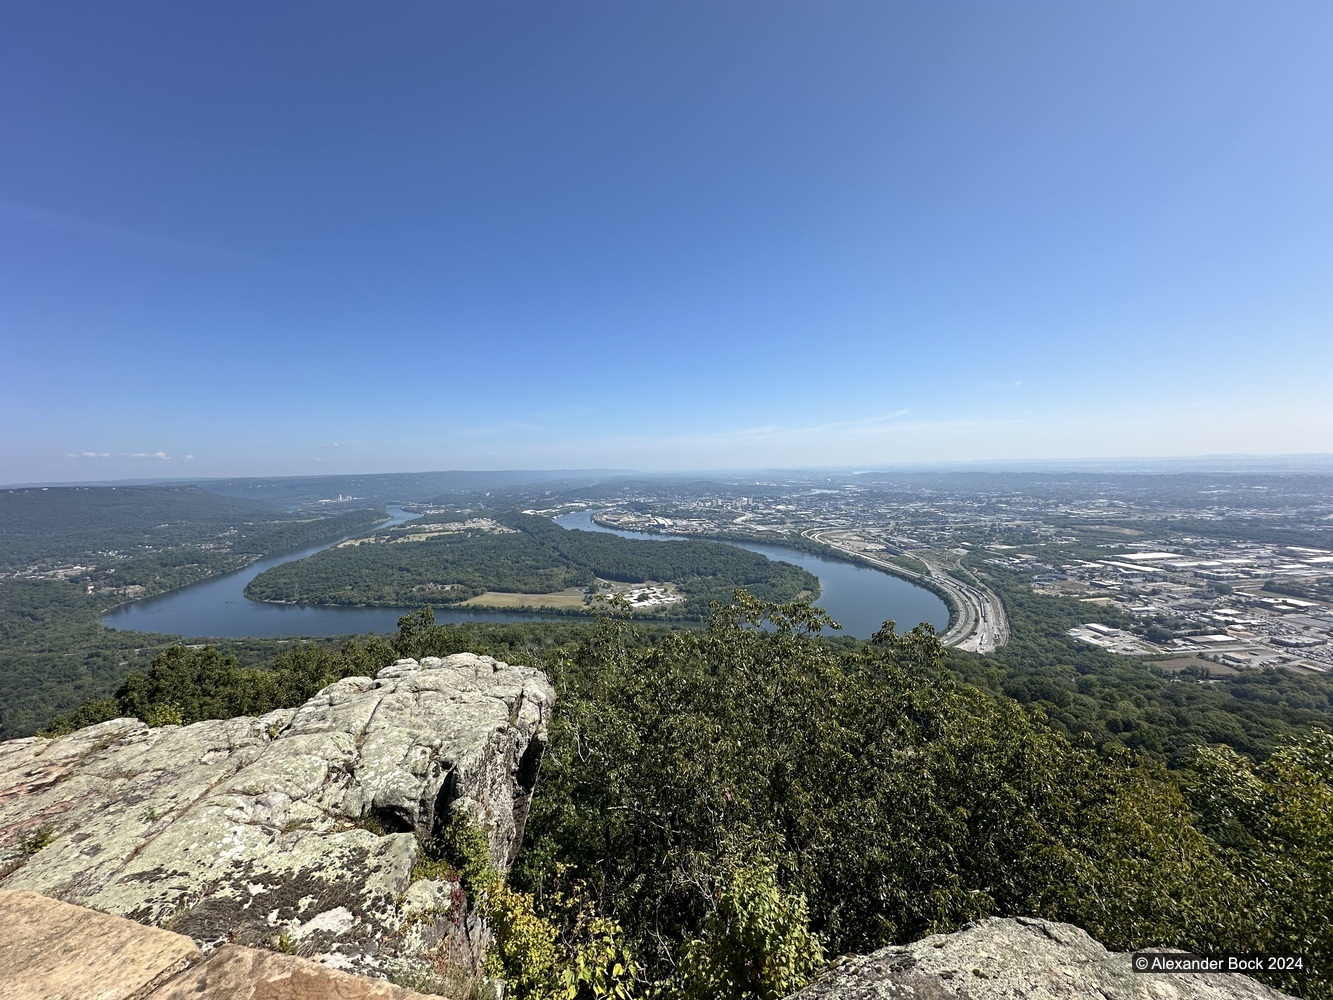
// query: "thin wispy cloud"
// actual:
[[129, 237], [157, 456]]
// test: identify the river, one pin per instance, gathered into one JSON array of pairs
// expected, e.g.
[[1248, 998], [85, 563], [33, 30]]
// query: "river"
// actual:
[[218, 608], [860, 599], [857, 597]]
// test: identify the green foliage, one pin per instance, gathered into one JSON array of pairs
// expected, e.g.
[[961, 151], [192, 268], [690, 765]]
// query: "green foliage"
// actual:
[[757, 737], [756, 944], [467, 850], [1274, 821], [601, 966], [566, 953], [164, 714], [90, 713], [525, 952], [572, 953], [31, 843]]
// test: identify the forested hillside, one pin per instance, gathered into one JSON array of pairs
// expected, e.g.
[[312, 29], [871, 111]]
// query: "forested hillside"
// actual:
[[107, 534]]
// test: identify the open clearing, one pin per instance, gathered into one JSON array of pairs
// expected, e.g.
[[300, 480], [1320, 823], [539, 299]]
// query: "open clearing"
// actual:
[[570, 597], [1179, 663]]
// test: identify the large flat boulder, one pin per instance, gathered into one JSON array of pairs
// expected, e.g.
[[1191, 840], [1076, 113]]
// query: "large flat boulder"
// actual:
[[1008, 958], [236, 973], [51, 950], [55, 951], [300, 828]]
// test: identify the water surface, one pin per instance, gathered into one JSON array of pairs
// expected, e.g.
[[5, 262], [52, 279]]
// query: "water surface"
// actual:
[[218, 608]]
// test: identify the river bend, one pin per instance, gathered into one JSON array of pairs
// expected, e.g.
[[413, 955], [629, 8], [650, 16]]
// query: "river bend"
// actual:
[[858, 598]]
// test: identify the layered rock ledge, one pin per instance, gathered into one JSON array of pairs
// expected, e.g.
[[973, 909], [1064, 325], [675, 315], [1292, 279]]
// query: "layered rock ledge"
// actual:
[[1002, 959], [299, 829]]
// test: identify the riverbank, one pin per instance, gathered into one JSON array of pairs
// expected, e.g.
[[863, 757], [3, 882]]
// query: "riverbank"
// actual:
[[977, 619]]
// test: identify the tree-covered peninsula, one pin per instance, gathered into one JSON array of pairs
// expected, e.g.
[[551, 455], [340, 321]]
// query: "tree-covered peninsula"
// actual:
[[512, 560]]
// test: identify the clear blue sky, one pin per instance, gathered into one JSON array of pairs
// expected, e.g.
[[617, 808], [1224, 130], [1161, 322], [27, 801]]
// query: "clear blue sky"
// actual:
[[293, 238]]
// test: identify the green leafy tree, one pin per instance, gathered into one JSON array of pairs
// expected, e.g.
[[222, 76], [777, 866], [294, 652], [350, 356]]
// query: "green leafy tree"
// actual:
[[756, 737], [1274, 822], [755, 944]]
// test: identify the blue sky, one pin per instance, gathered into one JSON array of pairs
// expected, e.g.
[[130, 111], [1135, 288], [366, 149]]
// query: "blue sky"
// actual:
[[296, 238]]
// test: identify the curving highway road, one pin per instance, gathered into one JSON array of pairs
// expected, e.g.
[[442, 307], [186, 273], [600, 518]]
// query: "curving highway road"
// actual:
[[980, 624]]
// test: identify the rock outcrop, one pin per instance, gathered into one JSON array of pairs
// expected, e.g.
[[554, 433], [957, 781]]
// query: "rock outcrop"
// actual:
[[1010, 958], [298, 829], [51, 950]]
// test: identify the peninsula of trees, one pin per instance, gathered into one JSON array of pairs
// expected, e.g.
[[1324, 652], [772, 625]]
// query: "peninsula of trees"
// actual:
[[511, 559]]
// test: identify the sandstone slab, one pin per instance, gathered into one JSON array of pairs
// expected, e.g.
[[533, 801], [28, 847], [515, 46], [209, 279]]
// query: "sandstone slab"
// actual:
[[235, 973], [51, 950], [301, 827]]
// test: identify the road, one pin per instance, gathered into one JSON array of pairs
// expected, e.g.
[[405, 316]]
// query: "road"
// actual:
[[980, 624]]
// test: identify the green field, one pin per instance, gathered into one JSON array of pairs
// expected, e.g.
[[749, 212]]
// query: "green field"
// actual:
[[570, 597]]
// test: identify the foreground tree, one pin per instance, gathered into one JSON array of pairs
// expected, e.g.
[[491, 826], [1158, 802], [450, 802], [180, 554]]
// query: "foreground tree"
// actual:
[[1274, 822], [895, 801]]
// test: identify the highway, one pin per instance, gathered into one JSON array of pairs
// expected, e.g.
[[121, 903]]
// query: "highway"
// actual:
[[980, 624]]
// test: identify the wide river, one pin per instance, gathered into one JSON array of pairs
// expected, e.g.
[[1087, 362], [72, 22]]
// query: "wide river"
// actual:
[[860, 599]]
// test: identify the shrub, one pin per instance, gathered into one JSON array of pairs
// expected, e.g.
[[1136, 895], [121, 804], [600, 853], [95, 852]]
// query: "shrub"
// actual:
[[757, 943]]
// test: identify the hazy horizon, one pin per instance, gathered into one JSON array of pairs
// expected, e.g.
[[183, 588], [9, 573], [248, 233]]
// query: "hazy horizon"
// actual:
[[1295, 464], [311, 239]]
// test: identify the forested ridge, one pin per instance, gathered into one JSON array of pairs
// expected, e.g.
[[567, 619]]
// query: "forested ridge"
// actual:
[[42, 528], [534, 556]]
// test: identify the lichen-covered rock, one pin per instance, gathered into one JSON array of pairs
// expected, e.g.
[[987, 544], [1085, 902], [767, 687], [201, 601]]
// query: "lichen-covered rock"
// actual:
[[303, 825], [1003, 959]]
